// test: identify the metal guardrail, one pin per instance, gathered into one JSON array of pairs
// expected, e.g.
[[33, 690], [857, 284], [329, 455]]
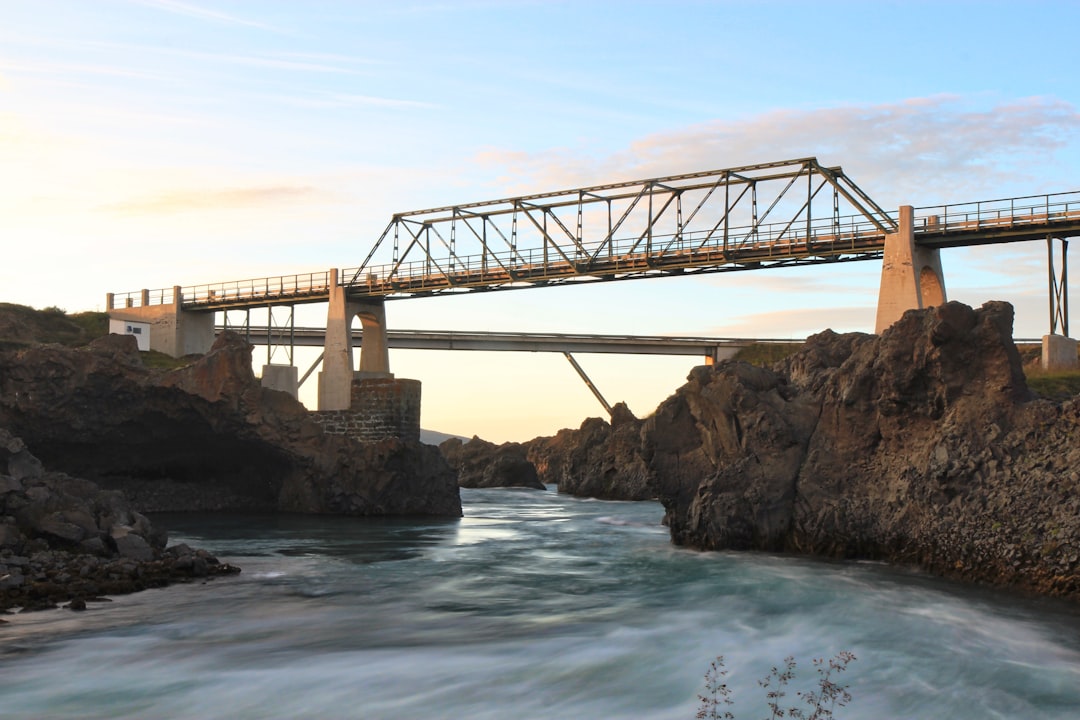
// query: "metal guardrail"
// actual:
[[995, 214]]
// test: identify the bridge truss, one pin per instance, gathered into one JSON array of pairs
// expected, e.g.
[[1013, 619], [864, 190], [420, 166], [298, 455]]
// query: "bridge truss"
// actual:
[[792, 212]]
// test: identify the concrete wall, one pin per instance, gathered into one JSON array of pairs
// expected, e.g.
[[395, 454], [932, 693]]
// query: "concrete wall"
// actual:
[[381, 408], [281, 377], [139, 330], [172, 331]]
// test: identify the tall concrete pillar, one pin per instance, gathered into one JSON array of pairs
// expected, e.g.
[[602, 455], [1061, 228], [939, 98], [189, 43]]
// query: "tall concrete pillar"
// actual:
[[911, 277], [374, 350], [335, 380]]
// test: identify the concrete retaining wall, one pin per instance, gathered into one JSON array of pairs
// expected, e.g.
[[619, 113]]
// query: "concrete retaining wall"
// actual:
[[381, 408]]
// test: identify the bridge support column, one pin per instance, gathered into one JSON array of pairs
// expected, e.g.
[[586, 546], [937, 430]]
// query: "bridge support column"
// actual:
[[1059, 352], [172, 330], [336, 378], [911, 277], [281, 377]]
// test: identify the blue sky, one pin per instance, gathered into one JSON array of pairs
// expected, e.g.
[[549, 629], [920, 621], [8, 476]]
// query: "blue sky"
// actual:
[[149, 143]]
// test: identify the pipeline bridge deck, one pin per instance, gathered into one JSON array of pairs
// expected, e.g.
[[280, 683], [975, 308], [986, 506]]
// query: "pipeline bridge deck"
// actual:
[[508, 341], [743, 218]]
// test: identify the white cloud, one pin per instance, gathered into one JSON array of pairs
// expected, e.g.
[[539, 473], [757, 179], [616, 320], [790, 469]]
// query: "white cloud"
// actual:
[[917, 151]]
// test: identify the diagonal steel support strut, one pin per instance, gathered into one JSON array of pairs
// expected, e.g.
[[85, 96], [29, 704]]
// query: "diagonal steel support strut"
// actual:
[[588, 382]]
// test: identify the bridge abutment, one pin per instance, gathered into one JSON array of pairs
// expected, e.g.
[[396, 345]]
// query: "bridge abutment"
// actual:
[[911, 276], [172, 330]]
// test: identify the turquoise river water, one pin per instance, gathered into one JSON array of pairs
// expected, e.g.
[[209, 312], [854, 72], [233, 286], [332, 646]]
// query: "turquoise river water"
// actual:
[[535, 605]]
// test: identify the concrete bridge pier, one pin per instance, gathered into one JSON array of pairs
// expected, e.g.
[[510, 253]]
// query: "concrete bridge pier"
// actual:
[[911, 276], [336, 377]]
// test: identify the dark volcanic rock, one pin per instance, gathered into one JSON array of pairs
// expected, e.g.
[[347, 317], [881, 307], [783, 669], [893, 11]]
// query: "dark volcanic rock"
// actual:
[[481, 464], [921, 446], [600, 459], [206, 436], [62, 538]]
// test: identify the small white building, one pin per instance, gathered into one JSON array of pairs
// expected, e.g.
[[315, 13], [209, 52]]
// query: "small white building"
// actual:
[[141, 331]]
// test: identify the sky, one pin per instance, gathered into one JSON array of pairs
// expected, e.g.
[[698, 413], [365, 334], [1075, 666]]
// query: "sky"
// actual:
[[153, 143]]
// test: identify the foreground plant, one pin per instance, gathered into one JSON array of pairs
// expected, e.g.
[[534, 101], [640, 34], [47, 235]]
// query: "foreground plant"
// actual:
[[816, 705]]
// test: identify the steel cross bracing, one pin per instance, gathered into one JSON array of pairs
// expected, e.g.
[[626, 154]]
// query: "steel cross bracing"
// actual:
[[782, 213], [793, 212]]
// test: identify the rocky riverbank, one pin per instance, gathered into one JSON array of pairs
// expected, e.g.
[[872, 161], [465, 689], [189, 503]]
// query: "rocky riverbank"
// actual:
[[921, 446], [65, 540], [205, 436]]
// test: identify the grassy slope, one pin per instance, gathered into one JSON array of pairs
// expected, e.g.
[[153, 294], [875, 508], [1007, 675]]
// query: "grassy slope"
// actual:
[[22, 326]]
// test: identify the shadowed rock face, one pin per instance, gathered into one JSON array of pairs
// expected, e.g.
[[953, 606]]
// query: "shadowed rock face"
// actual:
[[920, 446], [599, 459], [64, 538], [481, 464], [205, 437]]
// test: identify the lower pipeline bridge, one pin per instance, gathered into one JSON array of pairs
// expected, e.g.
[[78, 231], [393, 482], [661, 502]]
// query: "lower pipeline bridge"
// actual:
[[770, 215], [711, 350]]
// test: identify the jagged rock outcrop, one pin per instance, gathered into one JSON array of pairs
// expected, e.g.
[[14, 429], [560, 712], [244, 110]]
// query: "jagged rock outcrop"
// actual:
[[65, 539], [920, 446], [599, 459], [482, 464], [206, 436]]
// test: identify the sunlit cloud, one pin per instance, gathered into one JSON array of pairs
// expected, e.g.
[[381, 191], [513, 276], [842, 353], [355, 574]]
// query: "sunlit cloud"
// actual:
[[233, 198], [798, 323], [917, 151]]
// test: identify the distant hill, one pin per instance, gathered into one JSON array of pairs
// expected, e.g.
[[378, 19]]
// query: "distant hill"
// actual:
[[432, 437]]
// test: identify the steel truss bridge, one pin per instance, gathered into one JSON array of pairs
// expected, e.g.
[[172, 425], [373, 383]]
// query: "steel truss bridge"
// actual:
[[788, 213]]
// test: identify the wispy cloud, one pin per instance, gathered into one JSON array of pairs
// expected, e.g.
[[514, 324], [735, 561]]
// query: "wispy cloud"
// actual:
[[933, 149], [68, 69], [349, 100], [181, 201], [797, 324], [202, 13]]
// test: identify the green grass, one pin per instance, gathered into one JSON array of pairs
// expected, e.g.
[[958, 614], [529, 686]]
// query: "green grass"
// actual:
[[22, 326], [160, 361], [1055, 385], [762, 354]]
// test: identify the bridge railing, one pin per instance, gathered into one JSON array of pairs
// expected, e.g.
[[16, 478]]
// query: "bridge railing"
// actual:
[[764, 241], [140, 298], [270, 288], [1005, 212]]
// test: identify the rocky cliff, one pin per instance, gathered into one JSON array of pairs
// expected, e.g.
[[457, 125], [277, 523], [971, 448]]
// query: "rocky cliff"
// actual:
[[481, 464], [921, 446], [206, 436], [600, 459]]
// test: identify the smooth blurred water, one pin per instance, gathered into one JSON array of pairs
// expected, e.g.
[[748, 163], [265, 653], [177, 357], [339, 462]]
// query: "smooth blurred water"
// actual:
[[535, 605]]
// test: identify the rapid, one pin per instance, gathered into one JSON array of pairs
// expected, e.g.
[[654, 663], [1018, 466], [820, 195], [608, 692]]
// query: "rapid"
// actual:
[[534, 605]]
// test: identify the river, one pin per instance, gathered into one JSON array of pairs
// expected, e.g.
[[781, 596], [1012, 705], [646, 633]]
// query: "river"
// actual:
[[534, 605]]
